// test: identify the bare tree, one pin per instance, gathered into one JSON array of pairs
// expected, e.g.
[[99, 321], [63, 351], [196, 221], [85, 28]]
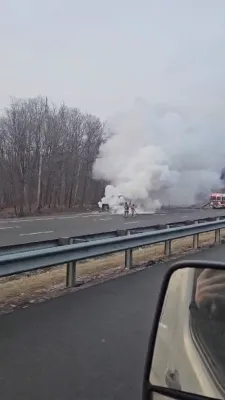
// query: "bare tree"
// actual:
[[47, 155]]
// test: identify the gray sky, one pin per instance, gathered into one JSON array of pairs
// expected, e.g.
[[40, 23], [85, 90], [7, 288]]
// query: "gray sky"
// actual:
[[100, 55]]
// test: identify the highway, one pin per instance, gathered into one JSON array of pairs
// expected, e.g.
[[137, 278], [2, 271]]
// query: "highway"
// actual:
[[86, 345], [25, 230]]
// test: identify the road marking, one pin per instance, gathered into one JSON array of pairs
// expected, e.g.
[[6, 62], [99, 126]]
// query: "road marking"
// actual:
[[35, 233], [68, 217], [105, 219], [44, 219], [32, 219], [184, 216], [10, 227], [132, 222], [91, 215], [79, 216], [15, 221]]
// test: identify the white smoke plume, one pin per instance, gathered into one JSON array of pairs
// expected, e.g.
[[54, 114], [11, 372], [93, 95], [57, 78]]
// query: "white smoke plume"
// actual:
[[168, 153]]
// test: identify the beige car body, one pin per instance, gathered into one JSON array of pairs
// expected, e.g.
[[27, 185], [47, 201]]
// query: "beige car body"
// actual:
[[174, 347]]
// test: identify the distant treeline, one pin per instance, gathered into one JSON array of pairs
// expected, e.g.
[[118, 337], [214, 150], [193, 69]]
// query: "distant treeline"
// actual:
[[46, 156]]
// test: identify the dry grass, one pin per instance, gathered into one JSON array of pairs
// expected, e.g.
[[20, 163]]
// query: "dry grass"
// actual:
[[24, 289]]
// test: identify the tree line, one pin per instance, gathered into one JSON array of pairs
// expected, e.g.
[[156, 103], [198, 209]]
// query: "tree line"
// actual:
[[46, 156]]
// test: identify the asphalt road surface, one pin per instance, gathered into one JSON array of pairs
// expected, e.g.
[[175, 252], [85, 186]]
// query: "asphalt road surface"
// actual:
[[88, 345], [25, 230]]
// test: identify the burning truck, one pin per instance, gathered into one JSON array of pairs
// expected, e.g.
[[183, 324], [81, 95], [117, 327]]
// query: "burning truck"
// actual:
[[105, 206]]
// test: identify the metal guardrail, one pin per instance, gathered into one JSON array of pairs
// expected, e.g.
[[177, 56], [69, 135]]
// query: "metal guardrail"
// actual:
[[19, 248], [36, 259]]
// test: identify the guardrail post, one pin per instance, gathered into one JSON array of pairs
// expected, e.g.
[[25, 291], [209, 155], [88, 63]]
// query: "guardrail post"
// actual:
[[217, 233], [167, 248], [71, 271], [128, 256], [196, 239], [120, 232]]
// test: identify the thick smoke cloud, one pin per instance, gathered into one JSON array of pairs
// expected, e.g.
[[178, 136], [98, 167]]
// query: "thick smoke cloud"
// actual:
[[173, 151], [158, 156]]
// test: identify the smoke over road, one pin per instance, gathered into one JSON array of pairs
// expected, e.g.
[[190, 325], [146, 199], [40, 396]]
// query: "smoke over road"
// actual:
[[169, 153]]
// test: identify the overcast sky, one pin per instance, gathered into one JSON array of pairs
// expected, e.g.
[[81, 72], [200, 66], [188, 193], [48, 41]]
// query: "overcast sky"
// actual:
[[100, 55]]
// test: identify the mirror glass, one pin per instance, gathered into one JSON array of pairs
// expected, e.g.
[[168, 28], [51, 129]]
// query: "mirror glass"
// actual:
[[189, 353]]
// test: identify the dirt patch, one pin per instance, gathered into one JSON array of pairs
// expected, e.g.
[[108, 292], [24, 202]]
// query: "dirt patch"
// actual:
[[23, 289]]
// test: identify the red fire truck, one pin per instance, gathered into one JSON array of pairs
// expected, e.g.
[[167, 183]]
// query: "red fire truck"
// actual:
[[217, 200]]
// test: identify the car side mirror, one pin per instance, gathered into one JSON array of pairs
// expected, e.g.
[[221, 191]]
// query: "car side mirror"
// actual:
[[186, 352]]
